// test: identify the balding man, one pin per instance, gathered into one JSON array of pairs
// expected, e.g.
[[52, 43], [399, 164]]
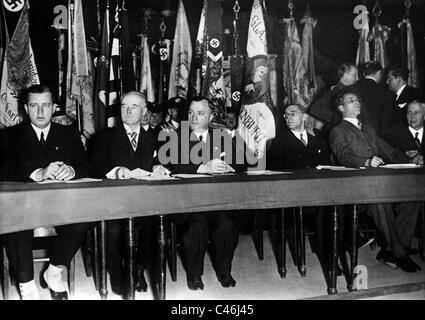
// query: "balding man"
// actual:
[[120, 153], [206, 157], [410, 138]]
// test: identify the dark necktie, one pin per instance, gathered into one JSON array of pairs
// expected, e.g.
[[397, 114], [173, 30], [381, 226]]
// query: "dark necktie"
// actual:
[[42, 141], [359, 124], [201, 138], [303, 140], [133, 140], [418, 143]]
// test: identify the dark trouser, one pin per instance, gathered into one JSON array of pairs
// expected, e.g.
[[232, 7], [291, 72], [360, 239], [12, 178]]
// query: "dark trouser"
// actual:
[[397, 223], [197, 229], [116, 245], [19, 249]]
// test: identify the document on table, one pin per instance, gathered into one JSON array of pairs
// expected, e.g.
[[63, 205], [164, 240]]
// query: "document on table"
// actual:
[[70, 181], [265, 172], [337, 168], [191, 175], [400, 166], [157, 177]]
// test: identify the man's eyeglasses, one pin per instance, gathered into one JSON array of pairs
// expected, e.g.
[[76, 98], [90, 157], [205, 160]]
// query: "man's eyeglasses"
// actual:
[[131, 107], [352, 100], [288, 115], [43, 105], [413, 113]]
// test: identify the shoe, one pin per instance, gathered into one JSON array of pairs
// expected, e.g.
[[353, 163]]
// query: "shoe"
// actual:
[[195, 283], [388, 258], [53, 281], [407, 264], [116, 285], [29, 291], [140, 282], [226, 280], [363, 241]]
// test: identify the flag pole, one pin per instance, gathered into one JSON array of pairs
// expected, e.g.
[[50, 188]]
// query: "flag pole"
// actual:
[[236, 9], [120, 8]]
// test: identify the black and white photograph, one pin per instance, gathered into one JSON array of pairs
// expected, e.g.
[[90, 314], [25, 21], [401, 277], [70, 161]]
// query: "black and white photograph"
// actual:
[[222, 156]]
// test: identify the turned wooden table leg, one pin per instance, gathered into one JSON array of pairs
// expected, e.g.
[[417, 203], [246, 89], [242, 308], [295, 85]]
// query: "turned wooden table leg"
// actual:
[[130, 259], [301, 262], [161, 258], [333, 273], [282, 240], [354, 249], [103, 283]]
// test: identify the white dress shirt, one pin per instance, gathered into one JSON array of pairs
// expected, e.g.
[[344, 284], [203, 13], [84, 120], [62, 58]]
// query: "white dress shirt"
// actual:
[[113, 173], [354, 121], [298, 135]]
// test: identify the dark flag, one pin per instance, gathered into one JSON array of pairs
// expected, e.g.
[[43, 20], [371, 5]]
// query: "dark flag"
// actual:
[[379, 35], [199, 66], [121, 71], [19, 70], [101, 91], [213, 86], [410, 51]]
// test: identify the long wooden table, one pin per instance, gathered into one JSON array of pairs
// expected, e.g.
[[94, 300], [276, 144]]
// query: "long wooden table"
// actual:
[[28, 205]]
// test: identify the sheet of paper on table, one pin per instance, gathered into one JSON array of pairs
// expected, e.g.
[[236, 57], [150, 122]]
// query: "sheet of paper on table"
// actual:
[[157, 177], [400, 166], [337, 168], [70, 181], [265, 172], [191, 175]]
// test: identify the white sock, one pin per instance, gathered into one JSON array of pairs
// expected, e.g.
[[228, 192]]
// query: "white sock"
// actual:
[[29, 290], [54, 270], [53, 277]]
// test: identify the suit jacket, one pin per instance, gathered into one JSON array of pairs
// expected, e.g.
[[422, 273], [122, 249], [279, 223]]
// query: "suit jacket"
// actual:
[[378, 107], [402, 139], [236, 160], [352, 146], [24, 154], [408, 95], [113, 148], [288, 152], [324, 107]]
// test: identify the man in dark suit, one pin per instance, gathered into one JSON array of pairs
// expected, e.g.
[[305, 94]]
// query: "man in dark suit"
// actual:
[[410, 138], [296, 149], [41, 150], [208, 158], [397, 83], [378, 107], [323, 108], [357, 145], [124, 152]]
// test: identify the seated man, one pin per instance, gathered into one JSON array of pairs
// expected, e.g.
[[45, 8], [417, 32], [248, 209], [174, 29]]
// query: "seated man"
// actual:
[[42, 150], [198, 227], [124, 152], [357, 145], [296, 149], [410, 138]]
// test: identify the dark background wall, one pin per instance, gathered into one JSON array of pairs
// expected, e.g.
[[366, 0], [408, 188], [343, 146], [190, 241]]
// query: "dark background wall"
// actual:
[[335, 38]]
